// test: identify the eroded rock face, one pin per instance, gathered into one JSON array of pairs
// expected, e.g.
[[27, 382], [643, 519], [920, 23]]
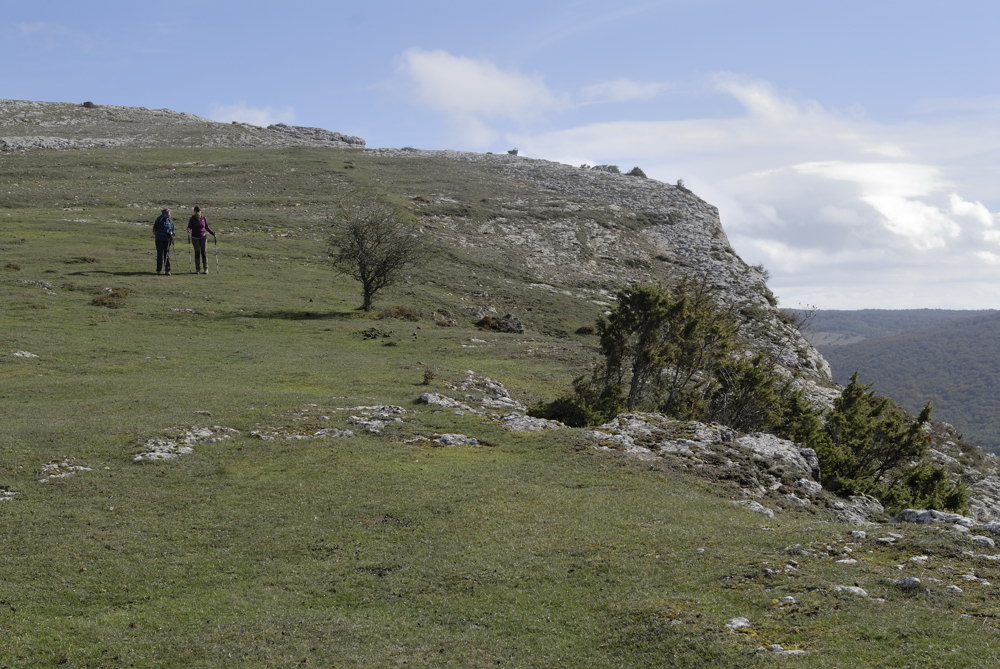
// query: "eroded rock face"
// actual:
[[587, 233]]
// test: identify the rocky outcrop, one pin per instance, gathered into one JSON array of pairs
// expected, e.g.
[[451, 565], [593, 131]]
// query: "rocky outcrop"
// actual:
[[34, 126], [586, 233]]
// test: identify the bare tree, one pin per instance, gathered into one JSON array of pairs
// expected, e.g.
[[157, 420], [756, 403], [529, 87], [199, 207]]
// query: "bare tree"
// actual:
[[373, 245]]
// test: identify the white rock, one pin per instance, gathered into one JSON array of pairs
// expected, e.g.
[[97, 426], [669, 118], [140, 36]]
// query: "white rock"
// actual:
[[736, 624], [334, 432], [755, 506], [456, 440], [932, 516], [516, 422], [851, 590], [797, 501], [778, 649], [810, 486], [775, 448], [980, 540]]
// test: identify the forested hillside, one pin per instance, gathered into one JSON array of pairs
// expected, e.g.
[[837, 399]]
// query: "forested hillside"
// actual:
[[833, 327], [950, 359]]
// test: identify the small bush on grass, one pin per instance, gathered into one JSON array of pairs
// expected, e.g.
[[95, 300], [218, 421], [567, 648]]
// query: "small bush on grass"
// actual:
[[400, 313], [112, 298]]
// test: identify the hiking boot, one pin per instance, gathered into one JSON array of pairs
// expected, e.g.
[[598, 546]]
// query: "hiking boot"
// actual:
[[167, 273], [206, 270]]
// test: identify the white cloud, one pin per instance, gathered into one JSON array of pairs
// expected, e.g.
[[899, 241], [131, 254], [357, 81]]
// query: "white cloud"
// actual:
[[974, 210], [758, 98], [461, 86], [620, 90], [244, 113], [892, 179]]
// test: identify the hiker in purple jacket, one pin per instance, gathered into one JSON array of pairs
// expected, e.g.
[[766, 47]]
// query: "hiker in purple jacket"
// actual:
[[197, 227]]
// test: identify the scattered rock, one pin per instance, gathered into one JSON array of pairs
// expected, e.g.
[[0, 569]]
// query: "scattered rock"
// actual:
[[374, 419], [489, 393], [736, 624], [272, 435], [972, 578], [456, 440], [851, 590], [334, 433], [778, 649], [516, 422], [796, 501], [909, 584], [932, 516], [755, 506], [24, 354], [183, 443], [60, 469], [811, 487], [802, 460], [857, 509], [434, 399], [979, 540]]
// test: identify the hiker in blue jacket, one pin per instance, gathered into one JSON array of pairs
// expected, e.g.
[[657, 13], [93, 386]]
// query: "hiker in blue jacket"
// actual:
[[163, 233]]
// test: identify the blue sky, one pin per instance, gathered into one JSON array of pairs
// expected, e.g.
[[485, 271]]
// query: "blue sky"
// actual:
[[850, 146]]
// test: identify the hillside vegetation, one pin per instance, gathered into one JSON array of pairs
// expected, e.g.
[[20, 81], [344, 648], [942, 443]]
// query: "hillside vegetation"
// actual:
[[836, 327], [434, 536], [954, 365]]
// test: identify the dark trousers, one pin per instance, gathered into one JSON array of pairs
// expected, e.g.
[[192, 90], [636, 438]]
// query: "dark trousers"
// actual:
[[162, 255], [200, 260]]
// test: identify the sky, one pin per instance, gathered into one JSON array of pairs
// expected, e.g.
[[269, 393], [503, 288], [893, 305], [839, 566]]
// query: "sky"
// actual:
[[851, 147]]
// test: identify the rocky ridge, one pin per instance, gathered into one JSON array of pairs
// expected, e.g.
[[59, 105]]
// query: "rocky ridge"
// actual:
[[32, 126]]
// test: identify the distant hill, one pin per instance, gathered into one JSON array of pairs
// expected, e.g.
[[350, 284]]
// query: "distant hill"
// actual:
[[839, 327], [948, 358]]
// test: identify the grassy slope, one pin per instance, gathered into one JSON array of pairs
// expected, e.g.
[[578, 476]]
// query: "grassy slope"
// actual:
[[533, 551]]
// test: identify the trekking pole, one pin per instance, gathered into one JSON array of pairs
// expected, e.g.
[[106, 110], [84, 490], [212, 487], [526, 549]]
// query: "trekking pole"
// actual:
[[192, 251], [215, 243]]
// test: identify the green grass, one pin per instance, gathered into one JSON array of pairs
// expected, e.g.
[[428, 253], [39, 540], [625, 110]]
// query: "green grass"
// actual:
[[533, 551]]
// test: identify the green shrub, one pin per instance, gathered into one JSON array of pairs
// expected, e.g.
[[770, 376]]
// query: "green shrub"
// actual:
[[676, 352]]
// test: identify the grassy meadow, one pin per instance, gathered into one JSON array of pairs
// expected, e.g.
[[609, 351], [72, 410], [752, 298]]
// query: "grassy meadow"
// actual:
[[382, 550]]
